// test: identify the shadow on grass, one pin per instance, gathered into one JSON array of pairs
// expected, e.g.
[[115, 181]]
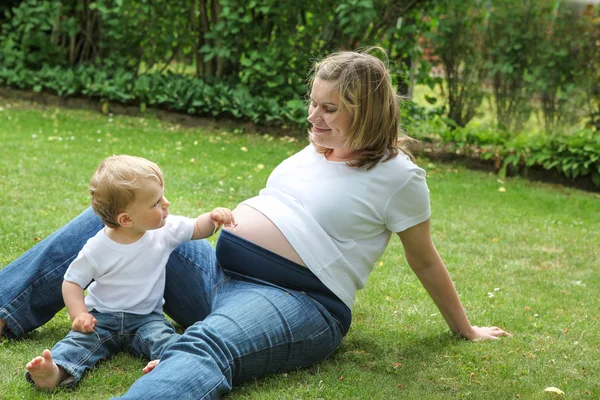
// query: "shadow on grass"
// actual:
[[395, 350]]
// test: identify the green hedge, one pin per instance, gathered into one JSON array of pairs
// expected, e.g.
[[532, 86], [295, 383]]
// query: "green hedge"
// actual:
[[573, 155], [163, 90]]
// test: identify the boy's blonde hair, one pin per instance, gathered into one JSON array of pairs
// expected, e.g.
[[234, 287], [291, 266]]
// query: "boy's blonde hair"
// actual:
[[366, 89], [115, 182]]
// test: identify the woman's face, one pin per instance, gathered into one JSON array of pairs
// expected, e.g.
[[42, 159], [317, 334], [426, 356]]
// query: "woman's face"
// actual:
[[329, 120]]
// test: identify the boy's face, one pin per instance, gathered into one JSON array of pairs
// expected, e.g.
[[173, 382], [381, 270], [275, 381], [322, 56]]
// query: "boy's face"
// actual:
[[150, 208]]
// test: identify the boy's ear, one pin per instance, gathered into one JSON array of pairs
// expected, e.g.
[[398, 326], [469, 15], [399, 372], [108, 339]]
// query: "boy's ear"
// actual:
[[124, 219]]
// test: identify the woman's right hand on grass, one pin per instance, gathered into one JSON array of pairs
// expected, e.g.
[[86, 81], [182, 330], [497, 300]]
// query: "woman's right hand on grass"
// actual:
[[84, 323], [485, 333]]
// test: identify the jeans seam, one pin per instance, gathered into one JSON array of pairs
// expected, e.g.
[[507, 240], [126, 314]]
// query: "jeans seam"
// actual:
[[285, 368], [217, 286], [86, 357], [207, 395], [141, 340], [190, 261], [332, 315], [135, 334], [288, 344], [121, 316], [14, 321], [215, 283]]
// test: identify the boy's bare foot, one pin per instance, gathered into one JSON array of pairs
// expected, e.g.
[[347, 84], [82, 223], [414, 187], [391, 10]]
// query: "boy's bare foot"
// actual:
[[150, 366], [44, 372], [2, 326]]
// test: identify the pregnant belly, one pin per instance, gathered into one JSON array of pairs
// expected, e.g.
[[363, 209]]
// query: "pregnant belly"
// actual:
[[255, 227]]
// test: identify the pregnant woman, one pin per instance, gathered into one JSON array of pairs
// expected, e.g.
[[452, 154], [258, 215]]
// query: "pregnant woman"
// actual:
[[277, 292]]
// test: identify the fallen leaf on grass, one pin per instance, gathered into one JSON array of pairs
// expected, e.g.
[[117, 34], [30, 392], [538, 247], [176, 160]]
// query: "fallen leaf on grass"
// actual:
[[554, 390]]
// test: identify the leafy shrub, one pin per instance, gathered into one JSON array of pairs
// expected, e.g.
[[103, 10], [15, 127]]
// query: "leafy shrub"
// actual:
[[572, 155], [169, 91], [426, 124], [457, 41]]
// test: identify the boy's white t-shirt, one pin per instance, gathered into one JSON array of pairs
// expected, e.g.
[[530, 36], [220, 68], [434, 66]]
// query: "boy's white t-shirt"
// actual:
[[128, 277], [339, 219]]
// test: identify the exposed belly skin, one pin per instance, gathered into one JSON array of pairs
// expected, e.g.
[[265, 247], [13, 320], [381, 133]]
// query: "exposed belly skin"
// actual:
[[255, 227]]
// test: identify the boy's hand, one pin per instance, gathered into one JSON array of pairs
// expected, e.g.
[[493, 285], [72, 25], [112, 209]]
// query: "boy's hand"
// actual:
[[84, 323], [222, 216]]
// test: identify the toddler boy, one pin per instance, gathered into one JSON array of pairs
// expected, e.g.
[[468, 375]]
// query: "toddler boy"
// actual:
[[125, 263]]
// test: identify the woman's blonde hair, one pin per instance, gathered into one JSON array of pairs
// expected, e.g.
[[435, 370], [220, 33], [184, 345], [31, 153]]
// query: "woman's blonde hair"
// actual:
[[366, 89], [115, 182]]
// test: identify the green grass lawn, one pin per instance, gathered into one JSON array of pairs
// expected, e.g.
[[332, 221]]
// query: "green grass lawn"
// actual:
[[523, 255]]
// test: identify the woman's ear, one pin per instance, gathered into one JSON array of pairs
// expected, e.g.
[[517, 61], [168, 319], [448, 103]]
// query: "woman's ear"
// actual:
[[124, 220]]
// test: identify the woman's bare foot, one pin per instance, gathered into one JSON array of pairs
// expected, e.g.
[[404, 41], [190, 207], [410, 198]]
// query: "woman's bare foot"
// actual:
[[44, 372], [2, 326], [150, 366]]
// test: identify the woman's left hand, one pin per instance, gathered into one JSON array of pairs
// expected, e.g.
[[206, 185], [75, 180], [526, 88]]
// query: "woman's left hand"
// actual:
[[485, 333]]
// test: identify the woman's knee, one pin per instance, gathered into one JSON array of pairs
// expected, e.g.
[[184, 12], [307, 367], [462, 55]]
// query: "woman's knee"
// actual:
[[277, 331]]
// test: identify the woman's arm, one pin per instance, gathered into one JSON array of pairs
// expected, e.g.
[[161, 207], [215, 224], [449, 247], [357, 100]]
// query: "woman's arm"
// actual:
[[426, 263]]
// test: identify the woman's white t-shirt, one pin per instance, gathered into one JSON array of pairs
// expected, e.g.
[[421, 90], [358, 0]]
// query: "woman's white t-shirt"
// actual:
[[339, 219]]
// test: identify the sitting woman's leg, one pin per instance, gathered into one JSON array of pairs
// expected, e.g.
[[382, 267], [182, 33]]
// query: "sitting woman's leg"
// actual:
[[192, 275], [30, 286], [253, 330]]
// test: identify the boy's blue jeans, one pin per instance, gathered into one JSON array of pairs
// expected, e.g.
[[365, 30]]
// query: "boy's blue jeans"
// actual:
[[239, 328], [142, 335]]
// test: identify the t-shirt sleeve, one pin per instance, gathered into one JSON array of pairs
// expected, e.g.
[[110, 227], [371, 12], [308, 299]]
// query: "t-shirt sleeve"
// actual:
[[81, 271], [409, 204], [178, 230]]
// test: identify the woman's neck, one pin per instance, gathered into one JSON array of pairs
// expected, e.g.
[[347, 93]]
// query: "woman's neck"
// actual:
[[340, 155]]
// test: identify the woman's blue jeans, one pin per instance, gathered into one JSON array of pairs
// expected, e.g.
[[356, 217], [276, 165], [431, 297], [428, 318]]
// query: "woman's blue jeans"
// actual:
[[239, 328]]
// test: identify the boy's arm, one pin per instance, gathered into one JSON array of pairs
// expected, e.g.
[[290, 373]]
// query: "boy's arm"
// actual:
[[73, 296], [207, 224]]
